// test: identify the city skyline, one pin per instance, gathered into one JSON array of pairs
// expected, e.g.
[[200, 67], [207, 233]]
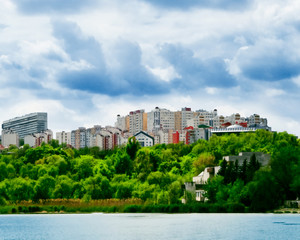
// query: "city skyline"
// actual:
[[85, 62]]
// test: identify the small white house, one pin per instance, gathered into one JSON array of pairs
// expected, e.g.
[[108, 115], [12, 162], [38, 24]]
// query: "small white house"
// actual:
[[144, 139]]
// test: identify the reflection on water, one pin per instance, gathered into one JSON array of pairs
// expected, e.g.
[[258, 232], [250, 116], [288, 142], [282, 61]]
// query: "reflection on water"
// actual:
[[149, 226]]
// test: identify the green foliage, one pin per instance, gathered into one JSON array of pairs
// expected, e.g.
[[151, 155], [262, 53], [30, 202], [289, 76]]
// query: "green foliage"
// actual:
[[264, 192], [83, 167], [18, 189], [132, 147], [64, 187], [44, 187], [97, 187], [123, 163], [213, 187], [203, 160], [156, 174]]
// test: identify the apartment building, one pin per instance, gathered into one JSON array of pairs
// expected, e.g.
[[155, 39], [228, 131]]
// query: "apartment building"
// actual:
[[97, 136], [122, 123], [137, 121], [9, 137], [36, 139], [63, 137], [160, 119]]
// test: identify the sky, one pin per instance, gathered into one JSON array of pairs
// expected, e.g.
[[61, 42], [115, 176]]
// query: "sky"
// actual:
[[85, 62]]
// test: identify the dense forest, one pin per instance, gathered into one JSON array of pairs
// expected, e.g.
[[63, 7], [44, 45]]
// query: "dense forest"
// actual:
[[155, 174]]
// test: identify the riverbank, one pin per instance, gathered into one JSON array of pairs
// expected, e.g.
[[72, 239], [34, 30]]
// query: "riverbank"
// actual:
[[60, 206], [131, 208], [287, 210]]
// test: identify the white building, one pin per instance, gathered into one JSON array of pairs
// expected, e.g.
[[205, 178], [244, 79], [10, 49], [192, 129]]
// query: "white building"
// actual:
[[64, 137], [121, 123], [196, 187], [10, 137], [186, 114], [160, 119], [193, 135], [30, 140], [137, 121], [36, 139], [144, 139], [164, 137]]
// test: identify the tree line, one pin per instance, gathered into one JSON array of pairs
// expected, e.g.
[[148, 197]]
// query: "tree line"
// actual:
[[154, 174]]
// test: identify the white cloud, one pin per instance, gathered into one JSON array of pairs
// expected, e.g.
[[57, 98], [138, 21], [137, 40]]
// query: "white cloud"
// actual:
[[28, 44], [274, 92], [211, 90], [296, 80], [165, 74]]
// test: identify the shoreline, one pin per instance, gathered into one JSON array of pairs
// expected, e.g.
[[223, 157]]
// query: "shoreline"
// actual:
[[162, 208]]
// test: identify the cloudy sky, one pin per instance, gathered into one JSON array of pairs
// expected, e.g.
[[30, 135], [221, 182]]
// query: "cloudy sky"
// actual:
[[84, 62]]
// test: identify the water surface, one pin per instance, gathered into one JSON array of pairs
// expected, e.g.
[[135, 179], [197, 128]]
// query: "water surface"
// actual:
[[149, 226]]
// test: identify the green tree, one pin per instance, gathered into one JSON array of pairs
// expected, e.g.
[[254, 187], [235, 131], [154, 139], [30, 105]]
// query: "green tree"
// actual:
[[97, 187], [44, 187], [105, 168], [281, 164], [123, 163], [64, 187], [132, 147], [212, 187], [142, 164], [252, 167], [3, 171], [84, 167], [204, 160], [175, 192], [262, 200], [11, 171], [20, 189], [124, 190]]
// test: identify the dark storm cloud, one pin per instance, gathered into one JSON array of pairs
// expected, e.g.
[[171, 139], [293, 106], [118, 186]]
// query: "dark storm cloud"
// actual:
[[48, 6], [195, 72], [126, 76], [185, 4]]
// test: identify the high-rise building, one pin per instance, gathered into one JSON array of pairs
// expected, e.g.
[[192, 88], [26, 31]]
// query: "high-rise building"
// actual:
[[27, 124], [137, 121], [63, 137], [78, 138], [160, 119], [182, 117], [122, 123]]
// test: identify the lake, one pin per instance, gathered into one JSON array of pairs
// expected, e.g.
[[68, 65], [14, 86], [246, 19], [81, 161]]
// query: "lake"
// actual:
[[149, 226]]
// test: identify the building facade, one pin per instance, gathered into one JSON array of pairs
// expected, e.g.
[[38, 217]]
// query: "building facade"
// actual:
[[36, 139], [63, 137], [160, 119], [10, 137], [27, 124], [137, 121], [144, 139]]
